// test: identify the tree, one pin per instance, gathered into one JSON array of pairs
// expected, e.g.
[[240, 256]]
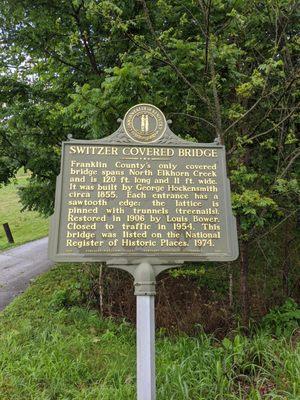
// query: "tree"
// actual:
[[218, 69]]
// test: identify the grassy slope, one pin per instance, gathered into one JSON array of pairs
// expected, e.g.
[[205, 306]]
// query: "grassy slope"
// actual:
[[52, 348], [25, 226]]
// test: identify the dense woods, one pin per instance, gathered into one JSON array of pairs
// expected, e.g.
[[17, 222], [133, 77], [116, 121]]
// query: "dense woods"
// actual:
[[225, 70]]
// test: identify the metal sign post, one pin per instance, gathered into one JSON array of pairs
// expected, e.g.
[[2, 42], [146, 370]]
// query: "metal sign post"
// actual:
[[145, 331]]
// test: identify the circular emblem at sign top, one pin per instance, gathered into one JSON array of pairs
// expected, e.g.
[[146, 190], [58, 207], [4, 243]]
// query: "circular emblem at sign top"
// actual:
[[144, 123]]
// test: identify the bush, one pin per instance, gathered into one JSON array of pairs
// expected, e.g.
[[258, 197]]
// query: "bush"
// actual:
[[283, 320]]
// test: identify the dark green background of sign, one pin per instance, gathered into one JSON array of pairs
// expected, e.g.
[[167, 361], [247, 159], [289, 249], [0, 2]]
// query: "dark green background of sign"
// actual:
[[225, 249]]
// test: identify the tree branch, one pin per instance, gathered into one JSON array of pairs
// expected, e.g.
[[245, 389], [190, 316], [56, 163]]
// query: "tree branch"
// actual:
[[170, 62], [146, 48], [264, 133], [218, 115], [53, 54], [292, 160], [206, 11], [194, 117], [275, 227], [276, 125], [245, 114], [194, 19], [276, 104], [85, 40]]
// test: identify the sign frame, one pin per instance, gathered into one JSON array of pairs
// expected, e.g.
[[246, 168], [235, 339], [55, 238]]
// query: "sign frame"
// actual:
[[168, 140]]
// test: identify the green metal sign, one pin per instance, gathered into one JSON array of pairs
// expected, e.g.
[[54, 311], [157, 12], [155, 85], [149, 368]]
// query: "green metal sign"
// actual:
[[142, 193]]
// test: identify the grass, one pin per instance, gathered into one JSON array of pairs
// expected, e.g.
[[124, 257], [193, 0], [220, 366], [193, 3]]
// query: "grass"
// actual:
[[51, 347], [25, 226]]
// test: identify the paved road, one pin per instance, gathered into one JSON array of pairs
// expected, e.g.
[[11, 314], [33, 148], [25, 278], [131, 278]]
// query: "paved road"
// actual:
[[19, 265]]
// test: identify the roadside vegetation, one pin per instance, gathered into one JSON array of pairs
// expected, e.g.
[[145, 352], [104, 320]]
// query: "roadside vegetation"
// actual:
[[225, 70], [55, 345], [25, 226]]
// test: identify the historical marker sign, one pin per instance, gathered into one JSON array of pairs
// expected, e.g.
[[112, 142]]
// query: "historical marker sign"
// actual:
[[143, 200], [143, 193]]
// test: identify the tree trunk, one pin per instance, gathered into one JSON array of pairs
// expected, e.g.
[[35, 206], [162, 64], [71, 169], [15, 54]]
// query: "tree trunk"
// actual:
[[230, 290], [244, 288], [285, 265], [290, 227]]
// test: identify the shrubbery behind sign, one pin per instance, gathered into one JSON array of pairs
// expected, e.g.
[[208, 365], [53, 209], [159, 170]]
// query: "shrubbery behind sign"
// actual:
[[143, 200]]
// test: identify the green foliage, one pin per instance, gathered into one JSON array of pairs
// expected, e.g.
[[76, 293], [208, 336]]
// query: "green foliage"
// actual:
[[26, 225], [92, 108], [196, 271], [249, 204], [75, 67], [226, 69], [208, 277], [283, 320], [53, 347]]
